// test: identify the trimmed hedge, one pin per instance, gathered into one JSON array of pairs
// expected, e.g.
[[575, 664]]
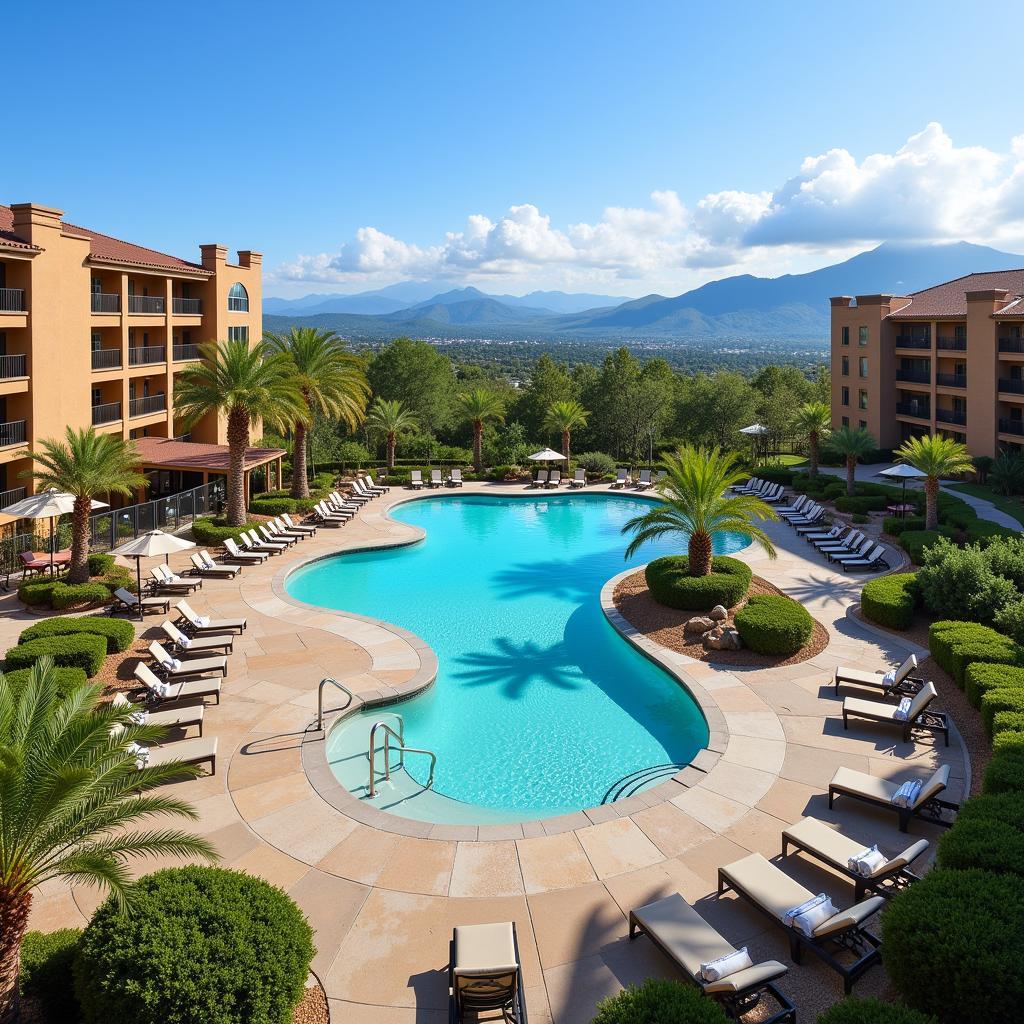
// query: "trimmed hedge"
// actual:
[[659, 1001], [101, 563], [872, 1011], [1007, 807], [1005, 771], [66, 679], [68, 595], [915, 541], [36, 591], [202, 945], [891, 600], [956, 645], [670, 584], [981, 677], [954, 945], [997, 700], [776, 474], [1007, 721], [989, 844], [119, 633], [984, 533], [897, 525], [862, 504], [772, 624], [83, 650], [213, 532], [47, 959]]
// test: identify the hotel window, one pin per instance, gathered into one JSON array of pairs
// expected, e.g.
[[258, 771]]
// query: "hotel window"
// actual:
[[960, 332], [97, 341], [862, 399], [862, 335], [863, 424], [846, 366], [863, 366], [846, 421], [846, 396], [238, 334], [846, 335], [238, 299]]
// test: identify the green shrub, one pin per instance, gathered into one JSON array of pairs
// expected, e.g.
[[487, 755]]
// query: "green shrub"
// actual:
[[981, 677], [1005, 556], [960, 582], [772, 624], [989, 844], [860, 518], [891, 600], [1005, 807], [996, 700], [66, 679], [895, 526], [46, 972], [954, 945], [863, 505], [120, 576], [1006, 474], [1007, 721], [956, 645], [1005, 771], [1010, 619], [36, 592], [213, 532], [201, 945], [597, 464], [872, 1011], [985, 534], [776, 474], [100, 563], [119, 633], [659, 1001], [263, 506], [83, 650], [69, 595], [915, 542], [670, 584]]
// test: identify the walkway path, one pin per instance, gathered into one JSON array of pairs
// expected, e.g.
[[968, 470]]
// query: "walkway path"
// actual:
[[383, 903]]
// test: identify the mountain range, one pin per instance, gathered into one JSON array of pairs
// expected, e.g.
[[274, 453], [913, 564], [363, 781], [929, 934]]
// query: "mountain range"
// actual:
[[741, 308]]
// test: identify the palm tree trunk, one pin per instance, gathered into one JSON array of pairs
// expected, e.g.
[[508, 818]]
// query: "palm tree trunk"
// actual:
[[238, 441], [478, 439], [79, 568], [851, 468], [300, 481], [565, 447], [700, 554], [813, 445], [391, 451], [14, 909], [931, 503]]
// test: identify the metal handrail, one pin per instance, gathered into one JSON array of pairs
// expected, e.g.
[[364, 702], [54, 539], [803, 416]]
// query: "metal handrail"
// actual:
[[402, 749], [320, 698]]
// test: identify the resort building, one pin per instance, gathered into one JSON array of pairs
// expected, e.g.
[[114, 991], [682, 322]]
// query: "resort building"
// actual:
[[948, 359], [93, 330]]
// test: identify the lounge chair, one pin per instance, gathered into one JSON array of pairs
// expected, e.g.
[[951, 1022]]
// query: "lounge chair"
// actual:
[[435, 478], [803, 529], [35, 562], [125, 600], [203, 624], [189, 646], [813, 518], [848, 544], [306, 528], [795, 508], [775, 894], [916, 716], [928, 806], [621, 477], [236, 554], [174, 668], [416, 479], [161, 692], [752, 486], [165, 581], [541, 479], [270, 537], [484, 972], [824, 536], [579, 478], [370, 487], [194, 751], [662, 473], [804, 510], [181, 716], [645, 480], [831, 847], [326, 516], [254, 542], [373, 485], [875, 559], [690, 943], [898, 683], [455, 477], [352, 499], [862, 549], [281, 532], [212, 571], [774, 494], [360, 490], [554, 478]]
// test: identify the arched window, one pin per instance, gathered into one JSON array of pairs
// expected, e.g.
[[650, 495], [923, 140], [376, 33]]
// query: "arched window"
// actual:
[[238, 299]]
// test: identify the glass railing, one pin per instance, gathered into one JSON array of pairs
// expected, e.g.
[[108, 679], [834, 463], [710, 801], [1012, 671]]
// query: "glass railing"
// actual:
[[186, 353], [1015, 385], [914, 376], [1011, 344], [1012, 426], [922, 412], [954, 344], [906, 341], [187, 307]]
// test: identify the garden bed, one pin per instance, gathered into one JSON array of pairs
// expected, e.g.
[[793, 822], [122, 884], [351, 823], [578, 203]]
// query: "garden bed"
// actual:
[[665, 626]]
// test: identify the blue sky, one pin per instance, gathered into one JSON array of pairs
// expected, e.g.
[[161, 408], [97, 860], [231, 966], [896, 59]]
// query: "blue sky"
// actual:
[[591, 146]]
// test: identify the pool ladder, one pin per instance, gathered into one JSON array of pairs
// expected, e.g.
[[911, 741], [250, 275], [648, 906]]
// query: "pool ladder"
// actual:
[[402, 749]]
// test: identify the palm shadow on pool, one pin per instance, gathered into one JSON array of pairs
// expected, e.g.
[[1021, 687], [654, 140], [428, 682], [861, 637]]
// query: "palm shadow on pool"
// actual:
[[517, 665]]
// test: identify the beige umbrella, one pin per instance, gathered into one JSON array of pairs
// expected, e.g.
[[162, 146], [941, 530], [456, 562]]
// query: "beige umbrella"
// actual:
[[49, 504], [155, 542]]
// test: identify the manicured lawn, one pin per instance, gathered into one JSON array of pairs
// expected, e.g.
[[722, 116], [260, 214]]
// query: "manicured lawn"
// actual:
[[1011, 506], [789, 461]]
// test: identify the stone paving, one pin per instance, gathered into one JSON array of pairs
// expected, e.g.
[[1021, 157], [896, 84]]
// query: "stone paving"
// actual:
[[384, 895]]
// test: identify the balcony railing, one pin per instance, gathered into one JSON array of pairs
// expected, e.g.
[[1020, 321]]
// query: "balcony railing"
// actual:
[[147, 354], [1011, 344], [906, 341], [12, 433], [11, 496], [951, 380], [106, 302], [12, 300], [951, 416], [187, 307], [145, 304], [13, 366], [106, 358], [186, 353], [1015, 427], [1012, 384], [147, 406], [921, 411], [914, 376], [954, 344], [108, 413]]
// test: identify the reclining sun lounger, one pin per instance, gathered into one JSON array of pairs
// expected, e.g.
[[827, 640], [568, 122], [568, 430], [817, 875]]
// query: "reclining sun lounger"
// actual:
[[621, 477], [203, 624], [435, 478], [774, 494], [194, 751], [372, 485], [273, 532], [455, 477], [926, 805], [579, 478], [253, 542], [875, 559], [795, 508], [236, 554], [554, 478], [540, 480], [326, 516], [180, 716], [863, 548], [484, 972], [166, 581], [183, 646], [693, 945], [813, 518], [831, 847], [911, 713], [213, 571], [897, 683], [827, 932], [306, 528], [360, 490], [125, 600], [645, 480], [175, 668], [369, 486], [416, 479], [848, 545], [830, 537], [165, 692]]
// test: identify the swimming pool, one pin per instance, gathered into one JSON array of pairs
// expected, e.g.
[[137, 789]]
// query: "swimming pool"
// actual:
[[539, 706]]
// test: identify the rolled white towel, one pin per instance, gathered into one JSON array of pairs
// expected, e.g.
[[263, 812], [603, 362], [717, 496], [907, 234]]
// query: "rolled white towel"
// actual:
[[174, 663], [867, 862], [185, 643], [173, 577], [791, 915], [907, 794], [138, 717], [731, 963], [815, 916], [889, 679], [203, 620], [903, 711], [163, 689]]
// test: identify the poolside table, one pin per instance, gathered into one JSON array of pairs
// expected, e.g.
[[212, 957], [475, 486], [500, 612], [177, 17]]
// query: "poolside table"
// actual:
[[899, 509]]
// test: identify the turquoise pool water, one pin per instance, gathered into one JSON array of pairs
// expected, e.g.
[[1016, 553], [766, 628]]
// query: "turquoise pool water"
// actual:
[[539, 706]]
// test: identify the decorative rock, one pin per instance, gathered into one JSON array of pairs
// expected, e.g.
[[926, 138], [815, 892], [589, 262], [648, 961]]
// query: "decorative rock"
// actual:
[[697, 625], [718, 613], [731, 640]]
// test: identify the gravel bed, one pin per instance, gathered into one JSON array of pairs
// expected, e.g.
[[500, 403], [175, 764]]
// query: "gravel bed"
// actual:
[[313, 1008]]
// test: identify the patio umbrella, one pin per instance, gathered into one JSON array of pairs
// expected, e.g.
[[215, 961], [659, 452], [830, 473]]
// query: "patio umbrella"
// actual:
[[902, 472], [547, 455], [755, 431], [155, 542], [49, 504]]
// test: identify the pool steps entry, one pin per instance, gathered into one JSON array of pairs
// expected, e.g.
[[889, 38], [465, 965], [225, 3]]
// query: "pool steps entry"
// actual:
[[402, 749]]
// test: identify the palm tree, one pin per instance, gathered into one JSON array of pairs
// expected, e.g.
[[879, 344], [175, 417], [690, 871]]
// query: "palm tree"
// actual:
[[936, 457], [331, 381], [852, 443], [243, 384], [813, 420], [478, 406], [86, 464], [74, 805], [390, 419], [697, 503], [563, 418]]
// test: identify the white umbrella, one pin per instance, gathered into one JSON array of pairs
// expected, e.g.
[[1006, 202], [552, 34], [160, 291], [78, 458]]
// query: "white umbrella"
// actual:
[[49, 504], [755, 430], [547, 455], [903, 472], [155, 542]]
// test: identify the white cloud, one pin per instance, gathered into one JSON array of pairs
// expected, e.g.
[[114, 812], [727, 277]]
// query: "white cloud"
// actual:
[[929, 190]]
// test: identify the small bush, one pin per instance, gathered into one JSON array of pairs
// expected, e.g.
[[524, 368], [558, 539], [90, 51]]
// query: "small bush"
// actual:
[[776, 474], [119, 634], [1010, 619], [891, 600], [213, 532], [100, 563], [46, 972], [997, 700], [84, 650], [71, 595], [982, 677], [859, 518], [772, 624], [863, 505], [670, 584], [1005, 771], [872, 1011], [37, 592], [960, 581], [659, 1001], [956, 645], [202, 945], [916, 542], [1007, 721], [895, 526], [67, 679], [120, 576], [954, 945], [986, 534], [1005, 807], [263, 506], [1005, 556], [597, 464], [989, 844]]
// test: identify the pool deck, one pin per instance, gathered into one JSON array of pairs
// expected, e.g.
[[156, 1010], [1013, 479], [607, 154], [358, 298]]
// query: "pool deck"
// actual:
[[384, 894]]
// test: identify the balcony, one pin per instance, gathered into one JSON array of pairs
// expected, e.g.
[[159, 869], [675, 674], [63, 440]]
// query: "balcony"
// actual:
[[13, 366], [147, 354], [106, 302], [145, 304], [106, 359], [920, 410], [906, 341], [1011, 344], [187, 307], [186, 353], [1012, 426], [11, 496], [108, 413], [951, 380], [147, 406], [1015, 385], [951, 416], [12, 300], [12, 433], [952, 344], [914, 376]]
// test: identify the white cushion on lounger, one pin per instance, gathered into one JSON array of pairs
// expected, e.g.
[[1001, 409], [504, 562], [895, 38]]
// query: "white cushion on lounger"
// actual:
[[484, 948]]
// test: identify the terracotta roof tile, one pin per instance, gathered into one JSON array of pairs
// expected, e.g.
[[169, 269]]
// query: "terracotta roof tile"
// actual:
[[165, 451], [7, 235], [949, 299]]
